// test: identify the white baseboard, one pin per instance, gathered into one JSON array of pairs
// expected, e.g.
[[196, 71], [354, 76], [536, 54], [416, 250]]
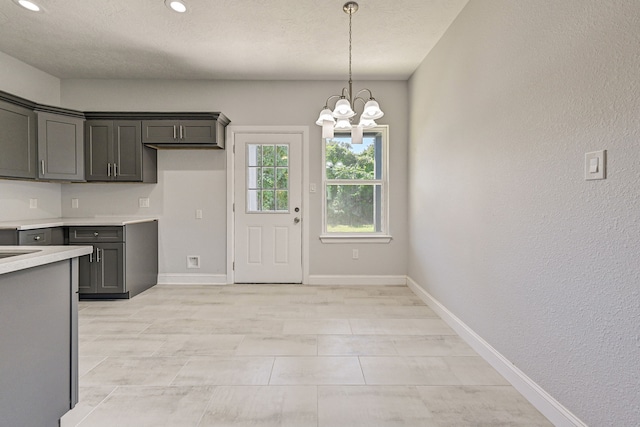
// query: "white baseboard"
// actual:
[[357, 280], [192, 279], [536, 395]]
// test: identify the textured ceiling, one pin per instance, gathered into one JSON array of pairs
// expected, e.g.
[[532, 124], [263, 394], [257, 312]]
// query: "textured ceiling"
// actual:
[[224, 39]]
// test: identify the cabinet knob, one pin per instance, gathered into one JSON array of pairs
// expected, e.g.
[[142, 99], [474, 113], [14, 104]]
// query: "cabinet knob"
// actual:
[[95, 233], [36, 238]]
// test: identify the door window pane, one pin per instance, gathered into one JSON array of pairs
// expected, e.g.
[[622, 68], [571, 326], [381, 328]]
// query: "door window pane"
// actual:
[[268, 155], [282, 155], [267, 171]]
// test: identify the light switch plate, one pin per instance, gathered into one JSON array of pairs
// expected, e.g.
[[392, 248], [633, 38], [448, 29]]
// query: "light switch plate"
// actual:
[[33, 203], [74, 203], [143, 202], [595, 165]]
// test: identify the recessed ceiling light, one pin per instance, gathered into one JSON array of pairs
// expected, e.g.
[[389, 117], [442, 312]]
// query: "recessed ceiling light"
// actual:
[[176, 5], [28, 5]]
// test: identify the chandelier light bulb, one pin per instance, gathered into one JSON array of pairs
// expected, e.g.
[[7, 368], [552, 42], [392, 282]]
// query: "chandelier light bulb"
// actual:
[[343, 109], [343, 124], [325, 115], [372, 110], [367, 123]]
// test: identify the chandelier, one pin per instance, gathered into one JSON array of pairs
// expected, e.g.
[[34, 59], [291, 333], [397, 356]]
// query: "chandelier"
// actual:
[[343, 116]]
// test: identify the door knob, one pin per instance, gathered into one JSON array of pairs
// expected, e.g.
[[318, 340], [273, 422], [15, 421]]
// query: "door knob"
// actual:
[[296, 220]]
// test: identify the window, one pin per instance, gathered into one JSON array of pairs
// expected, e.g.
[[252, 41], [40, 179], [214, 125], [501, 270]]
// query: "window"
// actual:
[[267, 178], [356, 187]]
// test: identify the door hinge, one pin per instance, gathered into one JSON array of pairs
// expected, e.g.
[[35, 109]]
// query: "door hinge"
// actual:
[[233, 148], [233, 266], [233, 207]]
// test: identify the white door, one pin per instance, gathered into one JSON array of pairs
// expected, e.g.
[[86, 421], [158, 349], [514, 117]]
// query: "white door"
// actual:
[[268, 208]]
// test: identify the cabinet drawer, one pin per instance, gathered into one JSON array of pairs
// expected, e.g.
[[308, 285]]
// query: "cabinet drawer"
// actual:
[[35, 237], [96, 234]]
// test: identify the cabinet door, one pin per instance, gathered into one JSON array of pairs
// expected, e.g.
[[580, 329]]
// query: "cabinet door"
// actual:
[[197, 131], [160, 131], [127, 151], [60, 147], [109, 264], [86, 283], [98, 150], [17, 141]]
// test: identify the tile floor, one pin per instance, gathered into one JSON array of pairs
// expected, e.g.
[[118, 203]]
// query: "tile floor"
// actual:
[[283, 355]]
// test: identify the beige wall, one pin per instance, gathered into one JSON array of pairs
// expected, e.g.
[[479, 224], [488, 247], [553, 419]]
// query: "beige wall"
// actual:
[[190, 180], [23, 80], [505, 231]]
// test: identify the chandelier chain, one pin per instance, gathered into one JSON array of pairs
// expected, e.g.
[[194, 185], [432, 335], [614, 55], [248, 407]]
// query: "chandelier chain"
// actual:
[[350, 35]]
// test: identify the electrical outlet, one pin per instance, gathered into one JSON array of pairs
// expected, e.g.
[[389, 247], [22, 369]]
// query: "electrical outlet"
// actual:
[[74, 204], [143, 202], [33, 203], [198, 213], [356, 254], [312, 188], [193, 261]]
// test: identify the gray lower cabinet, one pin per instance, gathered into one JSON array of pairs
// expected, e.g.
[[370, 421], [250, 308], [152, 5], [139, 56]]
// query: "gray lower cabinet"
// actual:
[[102, 272], [60, 147], [39, 344], [17, 141], [114, 152], [35, 237], [124, 261]]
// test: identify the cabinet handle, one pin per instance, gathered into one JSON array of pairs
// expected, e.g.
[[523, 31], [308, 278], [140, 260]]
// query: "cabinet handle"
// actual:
[[181, 133], [41, 166], [91, 257], [108, 169], [97, 254], [174, 132], [115, 170], [95, 234]]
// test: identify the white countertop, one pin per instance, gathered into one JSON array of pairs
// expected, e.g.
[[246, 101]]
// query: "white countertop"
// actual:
[[32, 224], [39, 255]]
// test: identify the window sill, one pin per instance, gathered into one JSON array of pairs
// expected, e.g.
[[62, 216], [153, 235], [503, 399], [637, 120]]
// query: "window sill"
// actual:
[[350, 238]]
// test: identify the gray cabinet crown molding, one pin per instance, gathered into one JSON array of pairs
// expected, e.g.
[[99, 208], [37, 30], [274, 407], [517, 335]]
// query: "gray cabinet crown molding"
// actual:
[[142, 115], [13, 99]]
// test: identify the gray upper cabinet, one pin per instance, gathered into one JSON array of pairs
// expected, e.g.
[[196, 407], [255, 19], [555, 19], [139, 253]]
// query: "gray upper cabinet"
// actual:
[[179, 131], [114, 152], [17, 141], [184, 130], [60, 147]]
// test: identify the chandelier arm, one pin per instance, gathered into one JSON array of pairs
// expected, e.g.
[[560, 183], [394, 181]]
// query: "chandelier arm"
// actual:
[[326, 104], [365, 90], [358, 98]]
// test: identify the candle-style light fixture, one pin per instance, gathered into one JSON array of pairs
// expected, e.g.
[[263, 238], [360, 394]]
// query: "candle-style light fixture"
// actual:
[[343, 116]]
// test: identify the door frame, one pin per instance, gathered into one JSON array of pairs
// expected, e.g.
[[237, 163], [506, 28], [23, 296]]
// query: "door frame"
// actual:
[[232, 131]]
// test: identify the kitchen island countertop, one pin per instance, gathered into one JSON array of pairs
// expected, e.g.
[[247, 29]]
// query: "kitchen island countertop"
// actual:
[[33, 256]]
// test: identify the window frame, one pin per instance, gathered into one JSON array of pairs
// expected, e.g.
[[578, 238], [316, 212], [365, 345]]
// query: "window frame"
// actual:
[[382, 236]]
